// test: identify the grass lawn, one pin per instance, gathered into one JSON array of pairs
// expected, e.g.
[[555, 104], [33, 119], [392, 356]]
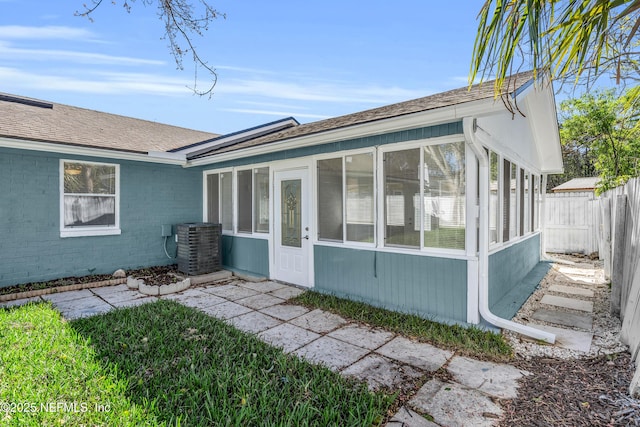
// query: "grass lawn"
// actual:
[[166, 364], [469, 341]]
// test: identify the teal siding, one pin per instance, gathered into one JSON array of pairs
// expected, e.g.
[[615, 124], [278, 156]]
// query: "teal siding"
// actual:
[[32, 249], [431, 287], [508, 268], [246, 255], [453, 128]]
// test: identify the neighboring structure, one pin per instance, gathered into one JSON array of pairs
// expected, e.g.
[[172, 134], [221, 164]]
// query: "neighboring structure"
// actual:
[[572, 217], [429, 206], [587, 184]]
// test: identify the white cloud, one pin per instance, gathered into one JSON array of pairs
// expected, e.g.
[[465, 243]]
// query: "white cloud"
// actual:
[[105, 83], [47, 32], [11, 53]]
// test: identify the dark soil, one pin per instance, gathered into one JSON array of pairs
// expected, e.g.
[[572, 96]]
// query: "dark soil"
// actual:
[[578, 392], [160, 275]]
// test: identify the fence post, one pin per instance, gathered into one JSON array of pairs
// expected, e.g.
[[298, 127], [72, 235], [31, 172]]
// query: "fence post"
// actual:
[[605, 244], [617, 267]]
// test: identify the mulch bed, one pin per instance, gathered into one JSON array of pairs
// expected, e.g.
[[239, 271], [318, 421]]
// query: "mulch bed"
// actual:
[[578, 392], [160, 275]]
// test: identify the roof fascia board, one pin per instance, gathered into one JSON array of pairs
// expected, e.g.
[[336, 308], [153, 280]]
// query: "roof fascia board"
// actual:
[[22, 144], [393, 124]]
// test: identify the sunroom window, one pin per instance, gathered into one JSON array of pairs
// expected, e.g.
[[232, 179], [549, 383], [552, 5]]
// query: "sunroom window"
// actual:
[[219, 199], [425, 197], [494, 196], [90, 204]]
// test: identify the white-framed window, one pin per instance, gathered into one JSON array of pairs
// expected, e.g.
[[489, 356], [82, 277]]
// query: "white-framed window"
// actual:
[[346, 195], [89, 198], [250, 190], [424, 196]]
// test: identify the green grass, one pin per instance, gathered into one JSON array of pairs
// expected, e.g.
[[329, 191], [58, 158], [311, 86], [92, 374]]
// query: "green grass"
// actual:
[[469, 341], [166, 364], [49, 376]]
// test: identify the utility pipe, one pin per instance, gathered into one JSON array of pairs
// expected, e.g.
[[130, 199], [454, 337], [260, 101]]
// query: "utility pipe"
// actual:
[[469, 126]]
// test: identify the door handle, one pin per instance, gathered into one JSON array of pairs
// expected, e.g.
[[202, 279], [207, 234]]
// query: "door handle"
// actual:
[[306, 237]]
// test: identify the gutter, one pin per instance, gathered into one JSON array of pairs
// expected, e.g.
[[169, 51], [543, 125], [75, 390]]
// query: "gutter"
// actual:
[[469, 126]]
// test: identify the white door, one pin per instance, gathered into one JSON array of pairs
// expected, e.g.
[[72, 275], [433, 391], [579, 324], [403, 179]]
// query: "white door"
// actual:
[[291, 227]]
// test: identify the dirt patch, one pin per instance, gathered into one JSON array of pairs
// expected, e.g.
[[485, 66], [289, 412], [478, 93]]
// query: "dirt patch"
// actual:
[[159, 275]]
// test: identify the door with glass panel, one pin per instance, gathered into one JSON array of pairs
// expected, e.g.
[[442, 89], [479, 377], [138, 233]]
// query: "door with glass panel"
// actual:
[[291, 227]]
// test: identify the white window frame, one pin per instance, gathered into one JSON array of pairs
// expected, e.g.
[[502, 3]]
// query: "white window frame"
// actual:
[[98, 230]]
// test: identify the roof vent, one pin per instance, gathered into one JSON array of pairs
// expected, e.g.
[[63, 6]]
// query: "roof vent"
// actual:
[[25, 101]]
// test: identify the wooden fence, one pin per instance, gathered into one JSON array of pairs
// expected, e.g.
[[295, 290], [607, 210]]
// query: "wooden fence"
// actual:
[[620, 241], [572, 222]]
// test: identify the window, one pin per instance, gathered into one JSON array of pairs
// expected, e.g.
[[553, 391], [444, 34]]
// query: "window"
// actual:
[[527, 203], [261, 200], [494, 199], [425, 197], [330, 199], [513, 203], [252, 196], [346, 194], [90, 199], [219, 199], [245, 179]]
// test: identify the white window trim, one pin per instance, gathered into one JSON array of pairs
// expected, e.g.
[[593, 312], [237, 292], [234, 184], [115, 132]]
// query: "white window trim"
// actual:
[[94, 230]]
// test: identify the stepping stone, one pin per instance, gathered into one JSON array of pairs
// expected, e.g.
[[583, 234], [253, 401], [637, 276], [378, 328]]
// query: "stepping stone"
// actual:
[[572, 303], [259, 301], [319, 321], [19, 302], [571, 290], [287, 292], [285, 311], [263, 287], [230, 292], [405, 417], [254, 322], [379, 371], [362, 336], [332, 353], [569, 339], [68, 296], [576, 320], [420, 355], [451, 404], [495, 379], [195, 298], [288, 337], [134, 302], [226, 310], [83, 307]]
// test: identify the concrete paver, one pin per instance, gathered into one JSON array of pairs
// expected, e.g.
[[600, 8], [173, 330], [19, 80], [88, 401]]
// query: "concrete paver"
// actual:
[[319, 321], [420, 355], [195, 298], [333, 353], [288, 337], [287, 292], [19, 302], [82, 307], [576, 320], [230, 292], [379, 371], [570, 339], [260, 301], [226, 310], [285, 311], [572, 303], [451, 404], [362, 336], [254, 322], [571, 290], [495, 379], [68, 296], [263, 287], [134, 302], [405, 417]]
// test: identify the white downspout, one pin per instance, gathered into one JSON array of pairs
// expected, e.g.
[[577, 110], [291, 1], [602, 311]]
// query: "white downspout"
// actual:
[[469, 127]]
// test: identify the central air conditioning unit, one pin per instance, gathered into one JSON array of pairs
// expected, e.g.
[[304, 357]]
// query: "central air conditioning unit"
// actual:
[[199, 248]]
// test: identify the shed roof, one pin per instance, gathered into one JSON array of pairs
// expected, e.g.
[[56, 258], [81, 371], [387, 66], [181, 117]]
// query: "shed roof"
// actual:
[[34, 120], [577, 184]]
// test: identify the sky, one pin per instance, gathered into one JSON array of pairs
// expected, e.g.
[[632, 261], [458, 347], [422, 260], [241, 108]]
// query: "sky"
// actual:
[[310, 60]]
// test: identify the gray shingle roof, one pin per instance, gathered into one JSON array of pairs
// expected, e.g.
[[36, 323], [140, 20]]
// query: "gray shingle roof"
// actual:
[[578, 184], [64, 124], [432, 102]]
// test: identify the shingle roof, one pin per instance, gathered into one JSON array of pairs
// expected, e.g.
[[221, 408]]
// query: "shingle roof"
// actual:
[[432, 102], [33, 120], [578, 184]]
